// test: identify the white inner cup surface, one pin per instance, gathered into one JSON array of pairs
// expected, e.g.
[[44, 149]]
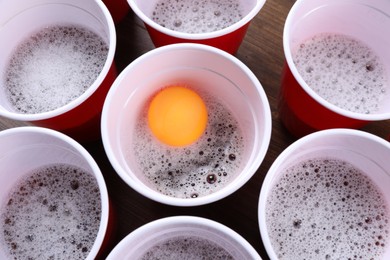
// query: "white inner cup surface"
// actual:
[[137, 243], [25, 149], [19, 21], [144, 9], [365, 20], [201, 67], [364, 151]]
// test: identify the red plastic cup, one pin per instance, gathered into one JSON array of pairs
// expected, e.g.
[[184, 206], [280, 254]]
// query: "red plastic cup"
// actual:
[[145, 238], [25, 149], [228, 39], [302, 110], [366, 152], [81, 117], [118, 9]]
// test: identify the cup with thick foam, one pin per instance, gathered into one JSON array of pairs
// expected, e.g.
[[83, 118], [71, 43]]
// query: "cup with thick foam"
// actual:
[[337, 68], [326, 196], [222, 24], [192, 236], [57, 64], [45, 178], [225, 155]]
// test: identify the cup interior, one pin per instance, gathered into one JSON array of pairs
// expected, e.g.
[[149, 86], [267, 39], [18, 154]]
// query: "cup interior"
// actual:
[[137, 243], [23, 20], [28, 148], [364, 151], [363, 20], [144, 9], [203, 68], [148, 7]]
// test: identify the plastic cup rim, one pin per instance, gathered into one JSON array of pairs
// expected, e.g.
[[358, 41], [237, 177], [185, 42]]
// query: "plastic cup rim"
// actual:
[[179, 221], [90, 90], [248, 171], [291, 65], [97, 174], [266, 186], [197, 36]]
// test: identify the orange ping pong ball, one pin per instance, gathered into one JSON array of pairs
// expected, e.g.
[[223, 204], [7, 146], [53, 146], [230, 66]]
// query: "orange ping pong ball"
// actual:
[[177, 116]]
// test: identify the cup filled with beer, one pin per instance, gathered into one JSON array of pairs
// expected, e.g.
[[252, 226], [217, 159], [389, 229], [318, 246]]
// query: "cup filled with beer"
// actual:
[[326, 197], [337, 68], [57, 64], [53, 201], [186, 124], [184, 237], [219, 23]]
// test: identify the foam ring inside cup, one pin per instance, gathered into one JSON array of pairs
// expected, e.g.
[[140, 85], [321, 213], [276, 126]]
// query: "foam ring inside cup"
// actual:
[[370, 160], [345, 17], [43, 15]]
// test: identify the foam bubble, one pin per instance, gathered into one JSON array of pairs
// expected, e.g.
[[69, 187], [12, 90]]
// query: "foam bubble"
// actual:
[[343, 71], [53, 213], [186, 247], [53, 67], [204, 167], [197, 16], [327, 209]]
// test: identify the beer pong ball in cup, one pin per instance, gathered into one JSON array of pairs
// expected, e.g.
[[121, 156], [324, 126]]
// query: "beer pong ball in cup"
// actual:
[[226, 38], [331, 202], [24, 150], [303, 110], [118, 9], [26, 24], [217, 77], [217, 240]]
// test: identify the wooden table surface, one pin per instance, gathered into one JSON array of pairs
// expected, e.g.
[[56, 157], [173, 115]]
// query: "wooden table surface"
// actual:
[[262, 52]]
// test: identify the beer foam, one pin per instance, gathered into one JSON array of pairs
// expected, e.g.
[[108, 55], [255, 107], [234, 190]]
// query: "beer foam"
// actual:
[[54, 213], [204, 167], [343, 71], [53, 67], [197, 16], [186, 247], [325, 208]]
